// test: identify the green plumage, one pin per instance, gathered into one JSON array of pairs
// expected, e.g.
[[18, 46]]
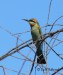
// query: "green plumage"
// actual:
[[36, 36]]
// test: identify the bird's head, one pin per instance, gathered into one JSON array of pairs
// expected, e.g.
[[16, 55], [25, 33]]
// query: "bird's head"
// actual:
[[32, 21]]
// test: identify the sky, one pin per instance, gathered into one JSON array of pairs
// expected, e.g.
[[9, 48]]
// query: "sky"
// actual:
[[11, 14]]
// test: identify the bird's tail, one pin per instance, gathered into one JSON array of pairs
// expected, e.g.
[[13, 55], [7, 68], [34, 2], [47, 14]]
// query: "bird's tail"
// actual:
[[40, 59]]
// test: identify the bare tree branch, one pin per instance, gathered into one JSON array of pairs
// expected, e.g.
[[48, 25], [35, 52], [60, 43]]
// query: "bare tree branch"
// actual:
[[55, 22], [21, 46], [49, 11], [57, 71], [54, 51], [3, 70], [33, 64]]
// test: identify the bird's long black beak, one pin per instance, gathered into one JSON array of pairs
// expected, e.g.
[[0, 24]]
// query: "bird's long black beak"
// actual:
[[25, 20]]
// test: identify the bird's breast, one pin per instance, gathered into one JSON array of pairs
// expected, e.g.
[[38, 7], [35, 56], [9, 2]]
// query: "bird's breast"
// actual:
[[35, 33]]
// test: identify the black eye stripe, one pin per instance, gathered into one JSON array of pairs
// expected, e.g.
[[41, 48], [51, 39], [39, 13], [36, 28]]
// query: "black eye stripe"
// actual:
[[31, 21]]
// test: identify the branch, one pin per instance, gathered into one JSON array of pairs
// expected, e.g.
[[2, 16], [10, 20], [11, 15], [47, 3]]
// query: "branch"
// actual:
[[23, 45], [49, 11], [3, 70], [33, 63], [57, 71], [54, 51], [12, 70], [23, 63], [55, 22]]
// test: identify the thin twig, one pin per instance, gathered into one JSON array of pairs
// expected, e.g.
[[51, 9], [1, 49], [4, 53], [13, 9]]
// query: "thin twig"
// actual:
[[57, 71], [3, 70], [23, 64], [55, 22], [33, 63], [54, 51], [49, 11], [12, 70]]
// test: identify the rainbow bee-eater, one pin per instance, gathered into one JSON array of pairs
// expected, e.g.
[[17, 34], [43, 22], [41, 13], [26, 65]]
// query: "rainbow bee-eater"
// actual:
[[36, 36]]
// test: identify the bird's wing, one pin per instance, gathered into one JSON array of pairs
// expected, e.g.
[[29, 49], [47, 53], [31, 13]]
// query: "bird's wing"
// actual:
[[40, 32]]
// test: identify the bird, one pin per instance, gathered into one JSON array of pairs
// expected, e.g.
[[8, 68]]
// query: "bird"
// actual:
[[36, 36]]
